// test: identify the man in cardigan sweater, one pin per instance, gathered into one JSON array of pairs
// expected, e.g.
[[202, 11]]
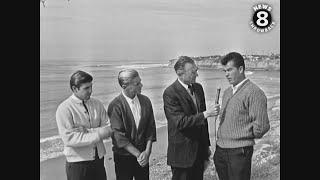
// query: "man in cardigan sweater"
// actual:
[[132, 119], [243, 118], [83, 124]]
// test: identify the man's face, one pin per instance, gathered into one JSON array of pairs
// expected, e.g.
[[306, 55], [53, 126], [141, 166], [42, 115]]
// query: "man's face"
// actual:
[[84, 91], [233, 74], [134, 86], [190, 74]]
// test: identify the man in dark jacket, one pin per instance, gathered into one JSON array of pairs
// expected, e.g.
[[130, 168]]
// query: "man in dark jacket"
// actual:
[[185, 110], [132, 119]]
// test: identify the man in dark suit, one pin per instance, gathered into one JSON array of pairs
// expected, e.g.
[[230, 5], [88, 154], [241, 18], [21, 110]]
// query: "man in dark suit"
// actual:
[[132, 119], [185, 110]]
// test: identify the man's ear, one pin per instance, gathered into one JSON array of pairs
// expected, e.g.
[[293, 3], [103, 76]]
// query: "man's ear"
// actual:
[[241, 69], [74, 89]]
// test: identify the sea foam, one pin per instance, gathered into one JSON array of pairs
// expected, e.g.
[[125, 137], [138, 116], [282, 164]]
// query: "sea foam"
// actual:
[[141, 66]]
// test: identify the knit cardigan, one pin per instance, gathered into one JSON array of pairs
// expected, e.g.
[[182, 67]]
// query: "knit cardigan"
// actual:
[[243, 116]]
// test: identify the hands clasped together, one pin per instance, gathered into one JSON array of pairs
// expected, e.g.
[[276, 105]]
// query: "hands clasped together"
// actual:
[[143, 158]]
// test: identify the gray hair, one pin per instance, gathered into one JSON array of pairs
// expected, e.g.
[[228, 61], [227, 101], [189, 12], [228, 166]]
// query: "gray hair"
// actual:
[[180, 64], [125, 76]]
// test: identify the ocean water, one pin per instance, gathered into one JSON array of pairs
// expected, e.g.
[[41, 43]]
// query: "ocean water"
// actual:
[[155, 75]]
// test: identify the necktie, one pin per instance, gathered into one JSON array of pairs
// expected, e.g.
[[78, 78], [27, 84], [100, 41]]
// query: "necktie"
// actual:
[[190, 87], [87, 111]]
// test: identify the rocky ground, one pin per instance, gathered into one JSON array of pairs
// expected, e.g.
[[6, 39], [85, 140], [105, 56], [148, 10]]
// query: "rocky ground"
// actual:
[[265, 160]]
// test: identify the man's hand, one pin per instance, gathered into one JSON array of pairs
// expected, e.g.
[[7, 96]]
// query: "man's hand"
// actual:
[[104, 132], [143, 158], [213, 110]]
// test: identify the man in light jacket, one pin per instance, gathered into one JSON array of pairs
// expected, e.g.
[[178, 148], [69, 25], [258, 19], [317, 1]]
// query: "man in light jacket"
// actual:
[[83, 124]]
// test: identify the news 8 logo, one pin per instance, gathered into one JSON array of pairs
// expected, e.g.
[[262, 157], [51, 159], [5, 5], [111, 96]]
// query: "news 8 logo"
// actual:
[[262, 18]]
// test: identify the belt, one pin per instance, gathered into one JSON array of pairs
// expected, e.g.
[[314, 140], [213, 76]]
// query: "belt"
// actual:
[[232, 149]]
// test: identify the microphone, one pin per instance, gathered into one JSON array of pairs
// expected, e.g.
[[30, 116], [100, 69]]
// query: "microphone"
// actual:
[[217, 95], [215, 126]]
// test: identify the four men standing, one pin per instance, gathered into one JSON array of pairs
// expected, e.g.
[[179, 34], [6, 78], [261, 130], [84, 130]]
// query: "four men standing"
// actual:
[[83, 123]]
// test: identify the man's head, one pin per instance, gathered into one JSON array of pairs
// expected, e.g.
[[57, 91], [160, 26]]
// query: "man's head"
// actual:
[[81, 84], [186, 69], [130, 82], [233, 66]]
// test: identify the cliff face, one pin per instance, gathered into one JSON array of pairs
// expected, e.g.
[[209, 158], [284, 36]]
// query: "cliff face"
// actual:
[[264, 64], [252, 62]]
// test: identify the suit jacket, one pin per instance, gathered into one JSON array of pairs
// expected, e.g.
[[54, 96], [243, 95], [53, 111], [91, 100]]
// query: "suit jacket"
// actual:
[[187, 130], [123, 124]]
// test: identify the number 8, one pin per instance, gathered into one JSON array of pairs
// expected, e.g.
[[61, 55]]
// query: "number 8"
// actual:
[[264, 18]]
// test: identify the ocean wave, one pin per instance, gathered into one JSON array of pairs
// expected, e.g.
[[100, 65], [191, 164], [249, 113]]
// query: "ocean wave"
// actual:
[[52, 147], [99, 65], [141, 66], [273, 96], [248, 73], [52, 138]]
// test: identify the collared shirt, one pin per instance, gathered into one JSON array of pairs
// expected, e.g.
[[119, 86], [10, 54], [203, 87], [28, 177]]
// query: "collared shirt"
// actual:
[[188, 90], [236, 87], [80, 102], [135, 108], [184, 85]]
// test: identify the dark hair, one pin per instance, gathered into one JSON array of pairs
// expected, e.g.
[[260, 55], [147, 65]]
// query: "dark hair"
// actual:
[[78, 78], [182, 61], [235, 57]]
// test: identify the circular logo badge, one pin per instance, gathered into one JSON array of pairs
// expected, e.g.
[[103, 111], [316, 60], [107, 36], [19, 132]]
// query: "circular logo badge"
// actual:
[[262, 18]]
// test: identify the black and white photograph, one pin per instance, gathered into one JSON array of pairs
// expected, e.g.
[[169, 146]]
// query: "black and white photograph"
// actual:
[[159, 90]]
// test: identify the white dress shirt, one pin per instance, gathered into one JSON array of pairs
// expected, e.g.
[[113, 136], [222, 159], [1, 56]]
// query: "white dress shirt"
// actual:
[[236, 87], [188, 90], [185, 86], [135, 108]]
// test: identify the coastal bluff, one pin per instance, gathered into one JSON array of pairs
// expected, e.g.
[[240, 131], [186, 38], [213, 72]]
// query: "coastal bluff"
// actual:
[[253, 62]]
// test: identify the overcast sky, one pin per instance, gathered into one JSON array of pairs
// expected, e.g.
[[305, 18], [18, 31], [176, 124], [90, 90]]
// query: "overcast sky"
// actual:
[[151, 29]]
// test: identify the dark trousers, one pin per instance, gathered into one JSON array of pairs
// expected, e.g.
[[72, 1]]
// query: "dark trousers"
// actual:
[[233, 163], [127, 167], [86, 170], [193, 173]]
